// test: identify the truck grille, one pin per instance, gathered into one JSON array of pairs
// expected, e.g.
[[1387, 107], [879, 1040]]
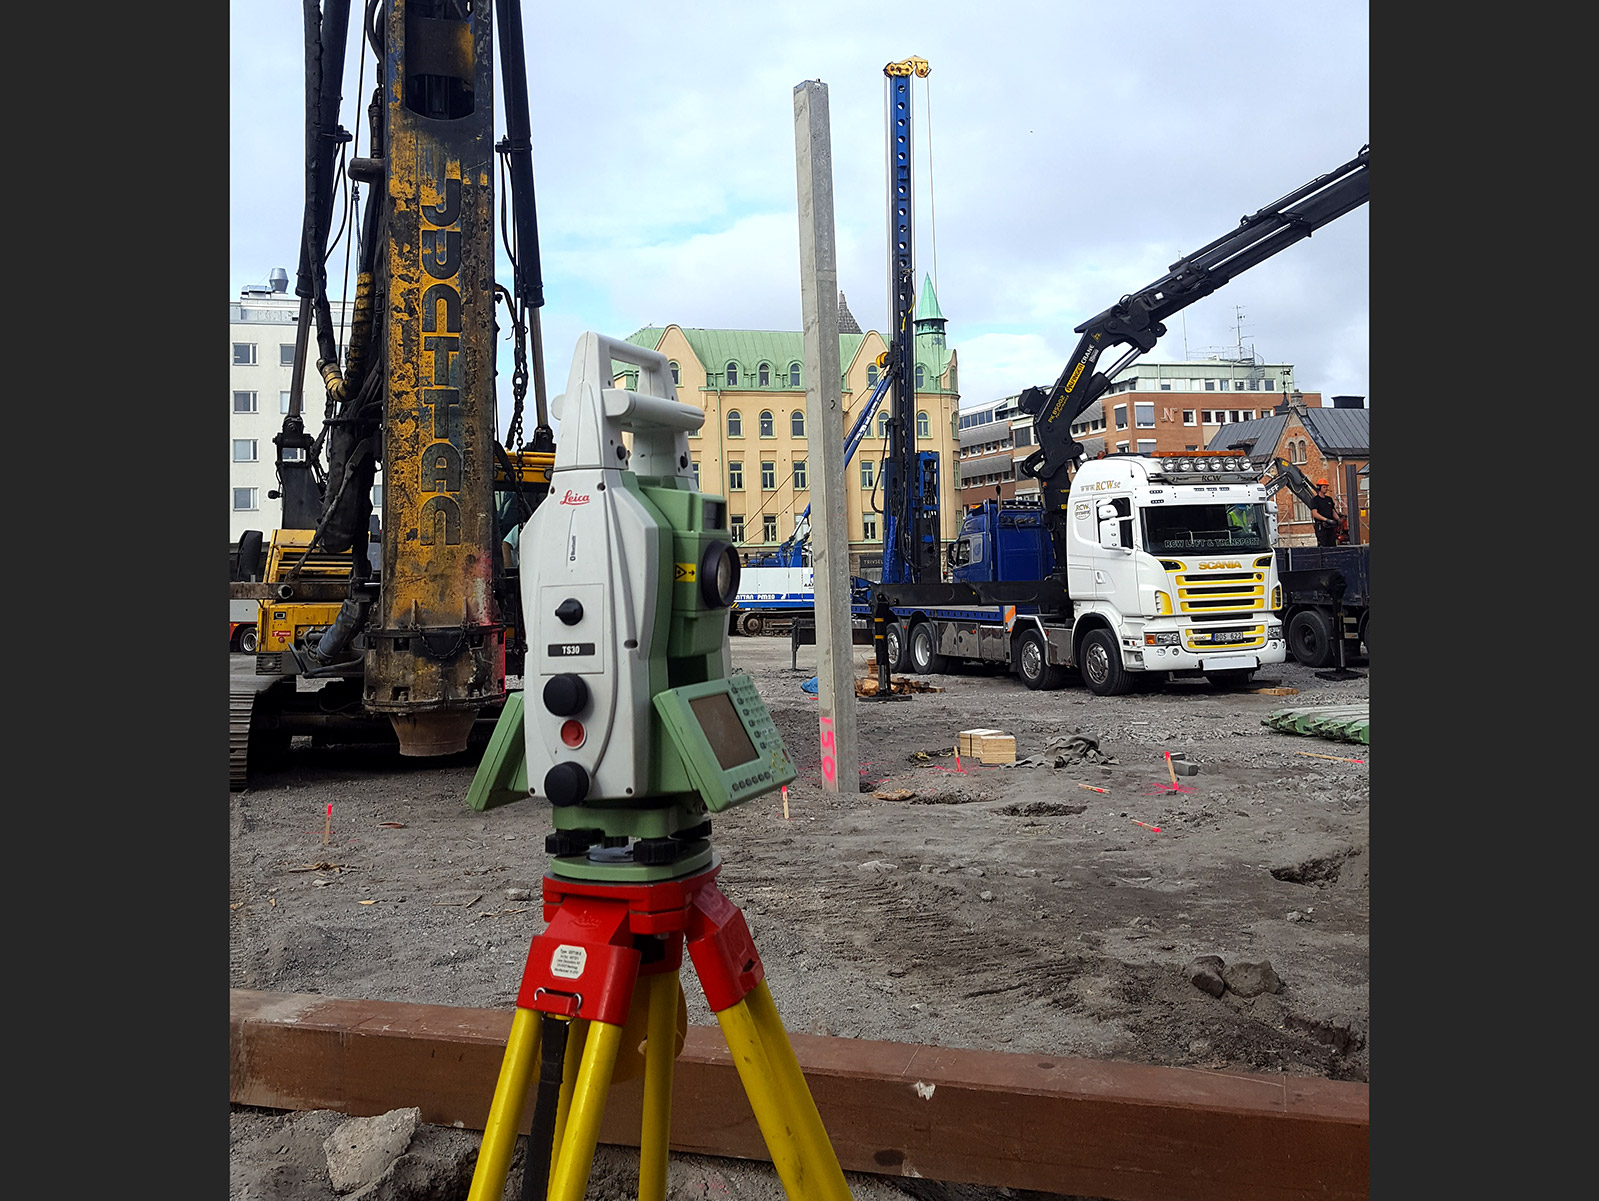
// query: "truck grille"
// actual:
[[1225, 637], [1224, 592]]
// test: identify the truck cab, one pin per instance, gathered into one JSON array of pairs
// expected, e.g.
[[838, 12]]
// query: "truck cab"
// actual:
[[1173, 553]]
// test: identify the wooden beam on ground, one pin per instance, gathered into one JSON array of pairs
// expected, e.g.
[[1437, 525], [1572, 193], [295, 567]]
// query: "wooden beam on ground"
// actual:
[[1127, 1132]]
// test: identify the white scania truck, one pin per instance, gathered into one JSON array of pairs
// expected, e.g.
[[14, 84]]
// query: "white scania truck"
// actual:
[[1169, 570]]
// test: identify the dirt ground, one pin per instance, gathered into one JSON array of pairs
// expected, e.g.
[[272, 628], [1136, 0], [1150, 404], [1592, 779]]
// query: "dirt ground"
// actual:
[[995, 907]]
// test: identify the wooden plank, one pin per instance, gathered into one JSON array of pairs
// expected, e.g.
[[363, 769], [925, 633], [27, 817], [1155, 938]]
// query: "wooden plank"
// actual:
[[1127, 1132]]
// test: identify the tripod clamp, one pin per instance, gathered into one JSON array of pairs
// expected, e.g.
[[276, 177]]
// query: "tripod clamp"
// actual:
[[590, 936]]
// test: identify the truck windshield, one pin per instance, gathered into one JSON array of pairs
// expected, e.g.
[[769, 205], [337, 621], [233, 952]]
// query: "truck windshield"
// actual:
[[1169, 531]]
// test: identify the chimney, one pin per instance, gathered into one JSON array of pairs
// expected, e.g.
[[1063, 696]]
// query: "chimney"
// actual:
[[1349, 402]]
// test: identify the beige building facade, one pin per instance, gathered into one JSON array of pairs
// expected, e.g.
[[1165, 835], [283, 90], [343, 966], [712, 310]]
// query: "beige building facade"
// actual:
[[754, 447]]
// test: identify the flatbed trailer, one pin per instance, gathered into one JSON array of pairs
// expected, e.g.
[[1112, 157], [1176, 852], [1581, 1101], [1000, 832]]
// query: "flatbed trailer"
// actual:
[[1325, 589]]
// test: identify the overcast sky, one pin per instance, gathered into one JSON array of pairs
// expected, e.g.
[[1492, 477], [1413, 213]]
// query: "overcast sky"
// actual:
[[1066, 154]]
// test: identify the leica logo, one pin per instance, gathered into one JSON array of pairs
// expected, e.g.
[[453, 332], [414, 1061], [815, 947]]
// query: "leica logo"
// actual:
[[575, 498]]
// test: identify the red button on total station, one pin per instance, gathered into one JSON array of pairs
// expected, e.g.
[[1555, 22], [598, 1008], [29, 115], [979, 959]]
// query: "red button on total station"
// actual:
[[572, 733]]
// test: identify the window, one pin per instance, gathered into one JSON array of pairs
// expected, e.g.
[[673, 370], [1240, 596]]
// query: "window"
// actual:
[[1238, 385], [1146, 446], [924, 428], [294, 454], [244, 402], [869, 526], [1165, 387], [793, 375], [1269, 385], [1121, 417], [283, 401], [769, 528], [767, 427], [921, 377], [768, 476], [1210, 385], [735, 424], [1254, 385], [677, 374], [735, 476], [1144, 413], [377, 497], [1188, 417], [732, 375], [244, 356], [1298, 511], [764, 375], [871, 375], [244, 450], [882, 425], [799, 475], [735, 526], [1234, 415], [695, 463], [243, 498], [1121, 448], [796, 423], [285, 354], [866, 473]]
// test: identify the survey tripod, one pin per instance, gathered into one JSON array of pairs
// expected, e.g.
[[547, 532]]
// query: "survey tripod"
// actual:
[[603, 975]]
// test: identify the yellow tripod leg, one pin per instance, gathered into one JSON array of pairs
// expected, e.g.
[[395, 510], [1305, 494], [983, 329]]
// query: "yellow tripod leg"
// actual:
[[767, 1098], [574, 1156], [660, 1048], [505, 1111], [577, 1034], [825, 1177]]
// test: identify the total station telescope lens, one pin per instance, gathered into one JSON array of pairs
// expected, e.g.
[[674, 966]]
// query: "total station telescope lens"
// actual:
[[719, 572]]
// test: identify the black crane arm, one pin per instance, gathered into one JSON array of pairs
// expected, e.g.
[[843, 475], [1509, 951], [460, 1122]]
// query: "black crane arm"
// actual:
[[1286, 475], [1137, 319]]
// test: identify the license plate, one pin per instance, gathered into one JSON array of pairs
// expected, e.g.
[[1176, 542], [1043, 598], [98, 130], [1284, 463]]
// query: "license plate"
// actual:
[[1233, 636]]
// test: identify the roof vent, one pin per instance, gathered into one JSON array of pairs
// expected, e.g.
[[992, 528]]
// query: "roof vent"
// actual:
[[1349, 402], [279, 279]]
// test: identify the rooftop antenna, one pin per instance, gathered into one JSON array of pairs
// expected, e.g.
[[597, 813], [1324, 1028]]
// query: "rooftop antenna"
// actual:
[[1238, 312]]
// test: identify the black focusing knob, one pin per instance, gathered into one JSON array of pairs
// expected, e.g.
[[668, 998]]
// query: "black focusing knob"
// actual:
[[566, 783], [570, 611], [565, 694]]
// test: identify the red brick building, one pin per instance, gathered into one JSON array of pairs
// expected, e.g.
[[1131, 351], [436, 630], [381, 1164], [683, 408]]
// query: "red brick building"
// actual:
[[1149, 407], [1333, 444]]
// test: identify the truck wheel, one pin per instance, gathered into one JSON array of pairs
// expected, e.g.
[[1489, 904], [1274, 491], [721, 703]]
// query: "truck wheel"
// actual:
[[1310, 638], [1101, 664], [925, 658], [1232, 680], [751, 624], [1033, 665], [247, 640], [894, 641]]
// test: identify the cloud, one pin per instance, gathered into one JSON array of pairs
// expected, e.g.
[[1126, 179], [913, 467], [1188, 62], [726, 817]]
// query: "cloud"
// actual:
[[1064, 156]]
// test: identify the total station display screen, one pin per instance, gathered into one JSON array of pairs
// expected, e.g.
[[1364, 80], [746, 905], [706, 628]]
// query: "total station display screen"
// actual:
[[724, 730]]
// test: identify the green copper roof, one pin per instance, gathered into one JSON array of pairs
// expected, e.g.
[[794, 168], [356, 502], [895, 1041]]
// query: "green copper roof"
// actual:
[[749, 348], [927, 307]]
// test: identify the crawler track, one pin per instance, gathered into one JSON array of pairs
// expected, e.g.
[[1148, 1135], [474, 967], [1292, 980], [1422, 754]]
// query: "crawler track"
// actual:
[[241, 705]]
